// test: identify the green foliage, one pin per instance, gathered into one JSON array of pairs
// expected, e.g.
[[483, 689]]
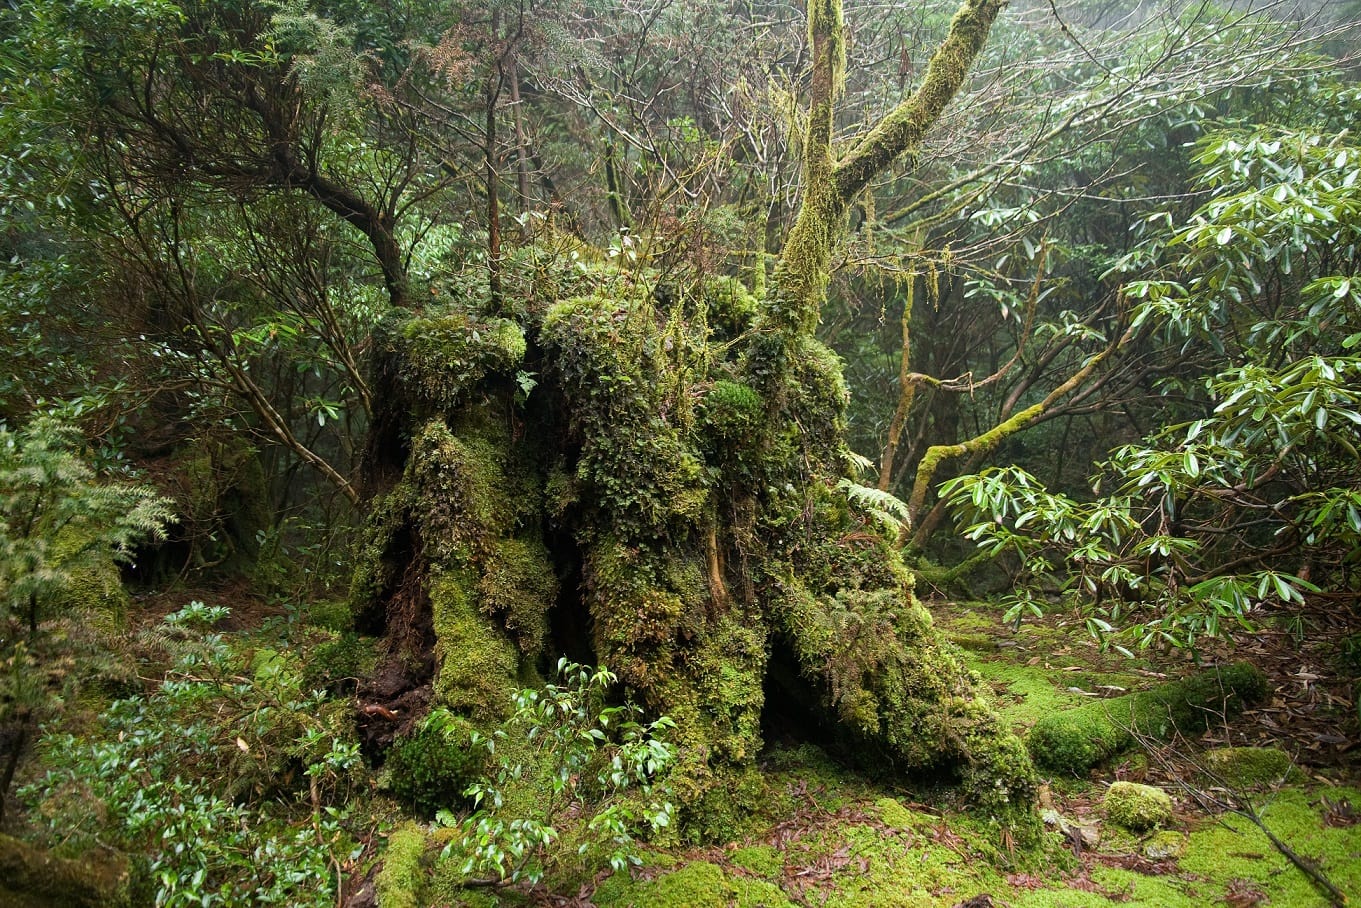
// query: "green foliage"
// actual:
[[431, 767], [1074, 740], [890, 511], [56, 518], [579, 762], [1206, 521], [226, 777]]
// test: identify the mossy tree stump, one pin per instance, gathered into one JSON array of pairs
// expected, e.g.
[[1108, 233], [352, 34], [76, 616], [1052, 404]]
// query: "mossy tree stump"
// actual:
[[665, 502]]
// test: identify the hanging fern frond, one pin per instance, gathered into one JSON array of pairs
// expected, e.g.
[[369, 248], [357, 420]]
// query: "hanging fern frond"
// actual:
[[885, 507]]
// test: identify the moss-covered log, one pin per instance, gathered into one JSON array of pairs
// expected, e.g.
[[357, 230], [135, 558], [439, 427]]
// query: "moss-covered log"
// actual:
[[1076, 740]]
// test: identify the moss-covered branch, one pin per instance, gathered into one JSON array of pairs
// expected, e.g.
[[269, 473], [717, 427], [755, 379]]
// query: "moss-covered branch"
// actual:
[[903, 129], [989, 440]]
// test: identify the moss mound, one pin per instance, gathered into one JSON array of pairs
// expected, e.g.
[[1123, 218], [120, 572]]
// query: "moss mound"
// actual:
[[1251, 767], [1075, 740], [1137, 807]]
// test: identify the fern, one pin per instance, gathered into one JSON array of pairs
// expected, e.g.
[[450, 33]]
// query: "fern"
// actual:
[[890, 510]]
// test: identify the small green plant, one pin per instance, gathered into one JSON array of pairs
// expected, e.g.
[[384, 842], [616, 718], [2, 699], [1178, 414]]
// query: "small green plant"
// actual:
[[58, 522], [581, 763], [432, 767]]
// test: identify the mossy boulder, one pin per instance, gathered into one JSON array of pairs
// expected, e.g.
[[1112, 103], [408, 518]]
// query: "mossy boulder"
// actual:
[[1075, 740], [1251, 767], [1137, 807], [1164, 845]]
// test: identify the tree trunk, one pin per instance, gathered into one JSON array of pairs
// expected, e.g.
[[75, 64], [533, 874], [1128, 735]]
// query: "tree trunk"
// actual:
[[673, 516]]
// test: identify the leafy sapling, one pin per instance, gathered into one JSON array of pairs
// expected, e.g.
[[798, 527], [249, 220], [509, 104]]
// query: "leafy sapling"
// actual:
[[580, 758]]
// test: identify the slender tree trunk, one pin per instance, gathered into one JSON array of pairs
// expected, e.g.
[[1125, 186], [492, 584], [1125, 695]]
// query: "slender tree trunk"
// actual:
[[494, 80], [521, 146]]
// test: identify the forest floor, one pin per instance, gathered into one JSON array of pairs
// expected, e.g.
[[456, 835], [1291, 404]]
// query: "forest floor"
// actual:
[[850, 843], [833, 837]]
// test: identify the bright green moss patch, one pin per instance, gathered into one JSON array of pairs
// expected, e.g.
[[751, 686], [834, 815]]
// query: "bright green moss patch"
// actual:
[[1250, 767], [401, 881], [895, 815], [762, 860], [1137, 807], [697, 884], [445, 353], [1024, 693], [1075, 740], [1234, 849]]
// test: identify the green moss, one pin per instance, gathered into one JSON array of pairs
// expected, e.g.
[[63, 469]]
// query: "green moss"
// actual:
[[1164, 844], [445, 353], [1025, 693], [331, 614], [1231, 848], [762, 860], [94, 587], [730, 307], [478, 664], [337, 664], [904, 696], [401, 882], [1075, 740], [1251, 767], [904, 871], [895, 815], [518, 585], [697, 884], [1137, 807], [431, 767]]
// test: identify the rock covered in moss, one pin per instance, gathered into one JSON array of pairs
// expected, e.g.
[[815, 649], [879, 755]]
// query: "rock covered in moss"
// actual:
[[1165, 845], [1137, 807], [1250, 767]]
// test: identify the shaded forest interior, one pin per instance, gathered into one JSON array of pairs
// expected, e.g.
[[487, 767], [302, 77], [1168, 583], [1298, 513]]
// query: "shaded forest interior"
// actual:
[[474, 452]]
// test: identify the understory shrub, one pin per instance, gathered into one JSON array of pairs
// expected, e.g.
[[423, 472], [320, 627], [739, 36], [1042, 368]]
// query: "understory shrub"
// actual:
[[229, 778], [571, 775]]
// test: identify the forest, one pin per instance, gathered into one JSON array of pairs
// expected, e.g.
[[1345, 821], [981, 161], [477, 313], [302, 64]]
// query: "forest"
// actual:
[[647, 453]]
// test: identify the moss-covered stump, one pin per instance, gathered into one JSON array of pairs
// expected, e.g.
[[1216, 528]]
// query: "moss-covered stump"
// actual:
[[1075, 740], [1137, 807], [697, 526], [33, 878]]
